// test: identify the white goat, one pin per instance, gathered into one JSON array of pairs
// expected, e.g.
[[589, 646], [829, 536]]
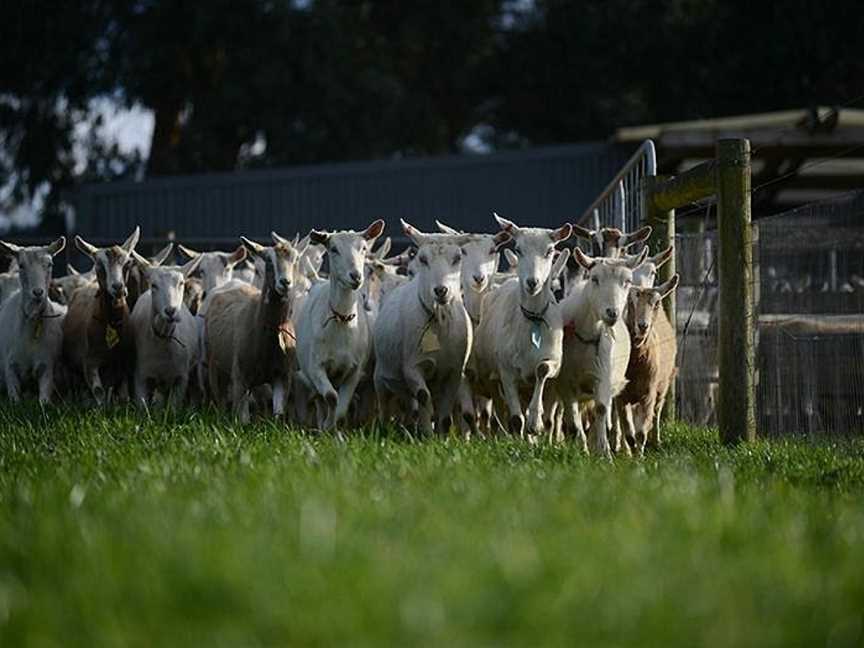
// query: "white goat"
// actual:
[[333, 336], [423, 336], [644, 275], [518, 342], [63, 289], [166, 333], [596, 343], [31, 325]]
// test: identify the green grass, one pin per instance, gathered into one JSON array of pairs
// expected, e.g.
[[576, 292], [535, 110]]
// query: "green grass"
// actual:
[[191, 530]]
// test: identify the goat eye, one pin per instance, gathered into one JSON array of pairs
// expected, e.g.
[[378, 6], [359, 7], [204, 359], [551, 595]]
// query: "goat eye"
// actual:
[[334, 251], [492, 252], [595, 280], [518, 251], [424, 260], [549, 252], [457, 260]]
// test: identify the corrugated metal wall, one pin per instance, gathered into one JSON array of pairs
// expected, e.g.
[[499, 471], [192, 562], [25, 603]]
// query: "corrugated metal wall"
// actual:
[[541, 186]]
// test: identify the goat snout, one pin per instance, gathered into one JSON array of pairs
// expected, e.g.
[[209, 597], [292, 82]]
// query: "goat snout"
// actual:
[[643, 327], [479, 278], [285, 283], [531, 283], [611, 315], [170, 312], [441, 293], [38, 292], [354, 278], [118, 289]]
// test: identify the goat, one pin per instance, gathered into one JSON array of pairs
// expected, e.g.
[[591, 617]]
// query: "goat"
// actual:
[[518, 341], [166, 333], [136, 282], [596, 343], [31, 325], [611, 242], [333, 335], [250, 336], [62, 290], [423, 335], [651, 367], [97, 341]]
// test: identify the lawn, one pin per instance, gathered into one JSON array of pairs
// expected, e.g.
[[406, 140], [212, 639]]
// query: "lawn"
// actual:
[[115, 530]]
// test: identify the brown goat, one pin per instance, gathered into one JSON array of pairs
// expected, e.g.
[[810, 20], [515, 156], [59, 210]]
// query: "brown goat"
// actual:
[[651, 368], [97, 339]]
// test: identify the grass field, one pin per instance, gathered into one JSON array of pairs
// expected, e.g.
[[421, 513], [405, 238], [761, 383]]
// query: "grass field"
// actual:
[[189, 529]]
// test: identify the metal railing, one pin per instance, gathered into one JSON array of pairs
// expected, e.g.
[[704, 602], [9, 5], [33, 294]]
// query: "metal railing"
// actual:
[[620, 203]]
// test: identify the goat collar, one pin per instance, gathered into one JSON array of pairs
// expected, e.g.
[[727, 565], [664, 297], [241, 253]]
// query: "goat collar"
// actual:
[[534, 316], [570, 331], [170, 337], [429, 312], [339, 317]]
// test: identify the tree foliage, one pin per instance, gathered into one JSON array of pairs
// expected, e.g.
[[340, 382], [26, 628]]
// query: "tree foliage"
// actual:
[[241, 83]]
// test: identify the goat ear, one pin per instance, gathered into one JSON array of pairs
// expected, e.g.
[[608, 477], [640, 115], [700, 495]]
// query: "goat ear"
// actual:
[[508, 226], [278, 240], [85, 247], [10, 248], [560, 263], [416, 236], [236, 256], [189, 252], [374, 230], [319, 238], [384, 249], [190, 266], [140, 260], [665, 289], [57, 246], [639, 236], [562, 233], [662, 257], [13, 265], [445, 229], [500, 239], [584, 232], [130, 243], [637, 260], [71, 271], [162, 255], [252, 246], [512, 259], [583, 259]]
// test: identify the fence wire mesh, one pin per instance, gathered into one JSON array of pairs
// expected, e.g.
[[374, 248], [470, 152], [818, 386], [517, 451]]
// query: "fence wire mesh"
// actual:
[[808, 287]]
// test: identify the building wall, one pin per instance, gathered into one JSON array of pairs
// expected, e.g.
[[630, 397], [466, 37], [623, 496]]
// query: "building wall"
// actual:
[[544, 186]]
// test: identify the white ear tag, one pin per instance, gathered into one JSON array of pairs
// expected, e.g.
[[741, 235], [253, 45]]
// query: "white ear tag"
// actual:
[[536, 335]]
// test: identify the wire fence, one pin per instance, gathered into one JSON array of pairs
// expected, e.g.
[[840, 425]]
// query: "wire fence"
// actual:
[[808, 286]]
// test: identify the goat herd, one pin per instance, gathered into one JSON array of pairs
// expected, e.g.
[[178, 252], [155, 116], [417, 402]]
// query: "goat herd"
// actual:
[[428, 339]]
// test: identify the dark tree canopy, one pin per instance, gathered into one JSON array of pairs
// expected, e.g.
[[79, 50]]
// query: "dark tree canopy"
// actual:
[[243, 83]]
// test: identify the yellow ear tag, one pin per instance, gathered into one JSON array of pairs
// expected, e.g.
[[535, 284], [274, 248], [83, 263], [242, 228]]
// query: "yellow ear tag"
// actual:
[[285, 339], [111, 337], [429, 342], [37, 332]]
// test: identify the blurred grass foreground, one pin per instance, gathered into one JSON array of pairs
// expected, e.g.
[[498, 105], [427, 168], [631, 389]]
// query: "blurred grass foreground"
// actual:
[[115, 530]]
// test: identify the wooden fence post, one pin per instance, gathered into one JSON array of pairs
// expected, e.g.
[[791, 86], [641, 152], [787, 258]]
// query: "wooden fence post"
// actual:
[[736, 407]]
